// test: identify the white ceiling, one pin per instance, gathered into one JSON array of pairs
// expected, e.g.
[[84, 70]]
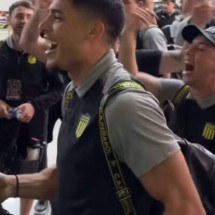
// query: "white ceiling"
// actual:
[[4, 4]]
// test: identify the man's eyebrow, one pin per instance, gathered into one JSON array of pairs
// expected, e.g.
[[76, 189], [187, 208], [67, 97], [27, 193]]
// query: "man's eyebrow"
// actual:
[[55, 11]]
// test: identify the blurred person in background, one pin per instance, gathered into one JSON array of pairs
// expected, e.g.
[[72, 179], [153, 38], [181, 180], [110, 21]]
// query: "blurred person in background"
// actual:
[[168, 14], [194, 116], [27, 85], [197, 12]]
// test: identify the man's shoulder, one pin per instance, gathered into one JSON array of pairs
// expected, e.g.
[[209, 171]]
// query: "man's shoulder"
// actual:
[[115, 75], [4, 50], [161, 13], [2, 44], [153, 32], [130, 95]]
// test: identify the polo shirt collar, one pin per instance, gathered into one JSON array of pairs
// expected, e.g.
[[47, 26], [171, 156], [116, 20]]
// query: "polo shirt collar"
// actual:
[[97, 72]]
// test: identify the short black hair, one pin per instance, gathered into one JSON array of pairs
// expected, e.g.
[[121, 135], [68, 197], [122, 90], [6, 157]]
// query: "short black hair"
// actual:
[[24, 3], [111, 11], [173, 1]]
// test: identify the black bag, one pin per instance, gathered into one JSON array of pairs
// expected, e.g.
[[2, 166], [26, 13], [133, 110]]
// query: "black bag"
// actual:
[[200, 161]]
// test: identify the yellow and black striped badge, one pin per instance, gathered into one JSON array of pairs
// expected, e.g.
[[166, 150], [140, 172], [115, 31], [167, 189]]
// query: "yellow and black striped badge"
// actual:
[[209, 131], [181, 94], [68, 99], [31, 59], [82, 124]]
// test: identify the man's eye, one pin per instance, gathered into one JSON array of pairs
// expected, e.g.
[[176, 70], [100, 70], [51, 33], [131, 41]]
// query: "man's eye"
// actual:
[[57, 17], [19, 16], [200, 47]]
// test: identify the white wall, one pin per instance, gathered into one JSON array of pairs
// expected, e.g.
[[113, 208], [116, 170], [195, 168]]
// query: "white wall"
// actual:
[[4, 4]]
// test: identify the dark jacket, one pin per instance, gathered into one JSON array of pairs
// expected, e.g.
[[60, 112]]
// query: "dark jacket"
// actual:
[[38, 86]]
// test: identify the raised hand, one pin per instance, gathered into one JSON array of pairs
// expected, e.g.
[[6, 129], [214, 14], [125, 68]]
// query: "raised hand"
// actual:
[[138, 16], [41, 4], [202, 14]]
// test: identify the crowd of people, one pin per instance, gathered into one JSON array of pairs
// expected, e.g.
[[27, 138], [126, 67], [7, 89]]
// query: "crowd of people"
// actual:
[[61, 61]]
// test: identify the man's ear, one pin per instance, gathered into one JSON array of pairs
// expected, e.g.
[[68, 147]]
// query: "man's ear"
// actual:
[[8, 19], [97, 30]]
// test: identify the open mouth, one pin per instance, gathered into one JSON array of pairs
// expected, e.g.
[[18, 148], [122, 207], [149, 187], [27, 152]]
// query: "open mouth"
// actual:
[[189, 64], [51, 47], [189, 67]]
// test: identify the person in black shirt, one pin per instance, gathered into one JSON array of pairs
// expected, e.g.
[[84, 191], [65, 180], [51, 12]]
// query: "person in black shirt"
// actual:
[[29, 87], [167, 14]]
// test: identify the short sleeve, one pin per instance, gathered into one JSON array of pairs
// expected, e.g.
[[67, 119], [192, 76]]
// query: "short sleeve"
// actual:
[[138, 132], [154, 39]]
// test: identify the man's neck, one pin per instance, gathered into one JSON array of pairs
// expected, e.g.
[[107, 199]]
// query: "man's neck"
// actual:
[[15, 41], [79, 72], [200, 94], [170, 13]]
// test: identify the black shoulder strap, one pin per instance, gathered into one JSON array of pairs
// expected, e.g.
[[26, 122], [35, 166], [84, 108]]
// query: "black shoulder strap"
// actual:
[[122, 191], [121, 86]]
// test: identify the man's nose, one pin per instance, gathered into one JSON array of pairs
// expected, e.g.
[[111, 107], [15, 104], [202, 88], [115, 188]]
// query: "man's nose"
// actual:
[[42, 33], [189, 51], [43, 26], [25, 19]]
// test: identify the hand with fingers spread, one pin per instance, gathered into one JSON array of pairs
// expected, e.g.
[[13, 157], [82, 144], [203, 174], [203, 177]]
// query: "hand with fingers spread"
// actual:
[[138, 16], [202, 14], [31, 40], [4, 110], [27, 112], [42, 4]]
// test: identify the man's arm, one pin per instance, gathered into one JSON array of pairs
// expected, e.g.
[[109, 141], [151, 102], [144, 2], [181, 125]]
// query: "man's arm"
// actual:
[[170, 60], [54, 93], [170, 182], [157, 62], [44, 101], [151, 152], [42, 185], [128, 46], [31, 41]]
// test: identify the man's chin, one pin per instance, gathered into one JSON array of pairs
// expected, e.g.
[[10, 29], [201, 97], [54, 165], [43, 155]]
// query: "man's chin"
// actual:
[[51, 66], [186, 78]]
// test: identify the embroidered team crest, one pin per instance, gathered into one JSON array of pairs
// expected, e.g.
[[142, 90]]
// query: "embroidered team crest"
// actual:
[[31, 59], [209, 131], [83, 122]]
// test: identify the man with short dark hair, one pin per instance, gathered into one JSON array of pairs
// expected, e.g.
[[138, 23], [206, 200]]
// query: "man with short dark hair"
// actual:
[[168, 14], [194, 116], [81, 34], [23, 3], [27, 92]]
